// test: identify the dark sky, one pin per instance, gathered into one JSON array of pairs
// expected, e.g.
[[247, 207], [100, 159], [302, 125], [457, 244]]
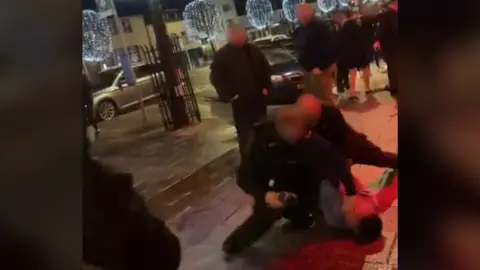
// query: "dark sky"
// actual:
[[134, 7]]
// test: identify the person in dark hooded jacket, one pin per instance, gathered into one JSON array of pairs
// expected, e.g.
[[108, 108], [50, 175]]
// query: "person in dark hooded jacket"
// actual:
[[241, 74], [286, 164], [118, 230]]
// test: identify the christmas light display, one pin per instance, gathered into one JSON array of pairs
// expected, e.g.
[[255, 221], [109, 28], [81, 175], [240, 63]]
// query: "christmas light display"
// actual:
[[97, 37], [202, 18], [289, 9], [344, 3], [326, 5], [259, 13]]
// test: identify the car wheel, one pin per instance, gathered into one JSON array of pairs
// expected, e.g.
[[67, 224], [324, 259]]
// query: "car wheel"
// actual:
[[106, 110]]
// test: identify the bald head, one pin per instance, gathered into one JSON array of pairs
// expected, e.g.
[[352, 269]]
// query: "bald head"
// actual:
[[237, 35], [291, 123], [310, 106], [305, 13]]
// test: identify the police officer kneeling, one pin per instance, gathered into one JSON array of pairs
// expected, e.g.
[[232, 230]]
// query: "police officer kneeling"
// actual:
[[282, 172]]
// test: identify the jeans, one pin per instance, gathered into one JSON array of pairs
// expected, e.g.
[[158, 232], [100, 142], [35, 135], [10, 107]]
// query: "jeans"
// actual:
[[331, 201]]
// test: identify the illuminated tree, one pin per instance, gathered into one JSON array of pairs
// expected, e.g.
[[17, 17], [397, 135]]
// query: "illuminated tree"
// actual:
[[326, 5], [289, 9], [97, 38], [259, 13], [202, 18]]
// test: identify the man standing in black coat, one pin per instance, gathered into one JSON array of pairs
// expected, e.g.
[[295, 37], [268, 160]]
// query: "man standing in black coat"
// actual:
[[316, 50], [241, 74]]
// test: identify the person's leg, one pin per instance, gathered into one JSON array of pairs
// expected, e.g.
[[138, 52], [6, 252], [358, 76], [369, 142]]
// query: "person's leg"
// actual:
[[366, 78], [353, 84], [331, 201], [256, 225]]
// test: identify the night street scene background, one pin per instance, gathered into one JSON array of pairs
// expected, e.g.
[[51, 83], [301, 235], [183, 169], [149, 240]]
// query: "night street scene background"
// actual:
[[182, 152]]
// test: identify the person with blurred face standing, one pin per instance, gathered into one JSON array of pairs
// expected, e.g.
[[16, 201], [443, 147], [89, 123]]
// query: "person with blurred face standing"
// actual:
[[316, 50], [241, 74]]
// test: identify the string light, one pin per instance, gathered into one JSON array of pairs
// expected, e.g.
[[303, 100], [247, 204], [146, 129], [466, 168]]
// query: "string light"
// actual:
[[202, 19], [289, 9], [259, 13], [326, 6], [97, 37]]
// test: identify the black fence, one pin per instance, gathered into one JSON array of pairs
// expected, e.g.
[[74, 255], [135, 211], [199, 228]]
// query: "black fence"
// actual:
[[183, 88]]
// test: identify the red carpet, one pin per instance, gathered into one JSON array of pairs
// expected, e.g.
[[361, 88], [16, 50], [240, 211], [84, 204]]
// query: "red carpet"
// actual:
[[335, 255]]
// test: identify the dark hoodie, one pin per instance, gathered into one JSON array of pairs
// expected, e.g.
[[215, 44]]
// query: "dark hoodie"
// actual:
[[276, 165], [316, 45]]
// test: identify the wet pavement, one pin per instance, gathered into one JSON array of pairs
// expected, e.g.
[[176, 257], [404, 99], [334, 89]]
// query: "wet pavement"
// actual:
[[187, 177]]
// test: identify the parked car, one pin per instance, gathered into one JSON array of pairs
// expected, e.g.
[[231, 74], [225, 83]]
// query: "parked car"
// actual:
[[269, 39], [286, 75], [279, 43], [112, 96]]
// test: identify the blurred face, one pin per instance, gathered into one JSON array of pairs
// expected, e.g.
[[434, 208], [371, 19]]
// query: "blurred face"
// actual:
[[238, 36], [338, 18], [291, 126], [446, 98], [304, 13]]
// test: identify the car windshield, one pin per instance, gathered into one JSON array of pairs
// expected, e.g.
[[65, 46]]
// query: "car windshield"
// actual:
[[104, 79], [276, 57]]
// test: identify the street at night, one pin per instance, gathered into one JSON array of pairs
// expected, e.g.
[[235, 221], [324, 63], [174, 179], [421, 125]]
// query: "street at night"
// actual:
[[187, 177]]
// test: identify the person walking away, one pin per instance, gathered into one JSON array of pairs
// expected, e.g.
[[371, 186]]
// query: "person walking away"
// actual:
[[316, 50], [241, 73], [355, 52], [389, 40]]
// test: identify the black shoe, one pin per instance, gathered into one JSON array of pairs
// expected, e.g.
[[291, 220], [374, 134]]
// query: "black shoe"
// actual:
[[369, 91]]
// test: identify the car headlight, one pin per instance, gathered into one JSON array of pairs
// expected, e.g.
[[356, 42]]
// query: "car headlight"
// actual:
[[276, 79]]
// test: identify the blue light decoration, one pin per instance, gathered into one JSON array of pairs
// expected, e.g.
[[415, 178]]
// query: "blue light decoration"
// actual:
[[202, 18], [97, 37], [326, 6], [259, 13], [344, 3], [289, 9]]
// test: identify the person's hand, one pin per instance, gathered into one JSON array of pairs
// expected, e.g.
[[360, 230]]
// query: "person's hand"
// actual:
[[265, 92], [234, 98], [316, 71], [272, 199]]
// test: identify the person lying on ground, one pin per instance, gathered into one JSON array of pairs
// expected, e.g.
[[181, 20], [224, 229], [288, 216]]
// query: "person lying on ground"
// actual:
[[364, 220], [282, 174]]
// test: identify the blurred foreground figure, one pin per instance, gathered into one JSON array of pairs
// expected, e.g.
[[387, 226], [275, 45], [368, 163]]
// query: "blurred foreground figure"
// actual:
[[316, 49], [282, 172], [119, 233], [440, 134], [241, 74]]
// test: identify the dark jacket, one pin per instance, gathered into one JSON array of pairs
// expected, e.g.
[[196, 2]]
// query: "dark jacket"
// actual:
[[388, 30], [316, 45], [240, 71], [352, 144], [353, 44], [295, 168], [118, 230]]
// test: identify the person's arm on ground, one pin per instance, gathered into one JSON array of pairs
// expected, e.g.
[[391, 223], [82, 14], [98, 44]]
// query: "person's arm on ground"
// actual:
[[360, 149], [219, 77]]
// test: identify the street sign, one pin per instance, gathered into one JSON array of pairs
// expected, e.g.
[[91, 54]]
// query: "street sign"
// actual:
[[105, 7]]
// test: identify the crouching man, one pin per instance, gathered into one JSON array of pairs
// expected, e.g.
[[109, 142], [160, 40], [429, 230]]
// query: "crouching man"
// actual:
[[285, 164]]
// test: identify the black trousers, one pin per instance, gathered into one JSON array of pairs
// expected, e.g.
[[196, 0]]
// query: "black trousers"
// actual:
[[343, 79], [245, 115], [261, 220]]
